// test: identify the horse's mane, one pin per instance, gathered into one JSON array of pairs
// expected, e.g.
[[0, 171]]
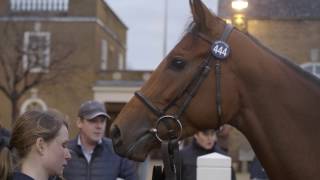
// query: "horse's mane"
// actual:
[[191, 28]]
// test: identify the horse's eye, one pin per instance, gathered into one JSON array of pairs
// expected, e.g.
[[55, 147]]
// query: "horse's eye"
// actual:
[[177, 64]]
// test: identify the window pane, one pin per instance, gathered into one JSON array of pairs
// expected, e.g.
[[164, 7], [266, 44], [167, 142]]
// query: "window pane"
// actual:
[[104, 54], [317, 69], [39, 5], [120, 62], [314, 55], [37, 47], [308, 68]]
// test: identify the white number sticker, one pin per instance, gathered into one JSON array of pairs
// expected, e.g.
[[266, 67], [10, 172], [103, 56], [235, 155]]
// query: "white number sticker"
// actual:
[[220, 50]]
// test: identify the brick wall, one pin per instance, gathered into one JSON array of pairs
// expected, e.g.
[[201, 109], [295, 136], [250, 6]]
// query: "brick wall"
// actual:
[[292, 39]]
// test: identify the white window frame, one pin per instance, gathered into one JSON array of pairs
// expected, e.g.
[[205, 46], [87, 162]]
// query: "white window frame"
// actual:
[[104, 55], [33, 100], [39, 5], [29, 102], [45, 53], [121, 61], [112, 59], [313, 66], [314, 54]]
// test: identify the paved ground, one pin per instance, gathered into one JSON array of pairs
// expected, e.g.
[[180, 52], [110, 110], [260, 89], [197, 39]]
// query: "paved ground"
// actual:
[[242, 176]]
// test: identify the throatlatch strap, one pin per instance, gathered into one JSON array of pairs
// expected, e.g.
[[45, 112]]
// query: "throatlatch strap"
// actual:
[[226, 33]]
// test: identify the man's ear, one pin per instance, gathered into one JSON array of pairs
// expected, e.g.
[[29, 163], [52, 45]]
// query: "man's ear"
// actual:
[[79, 122], [40, 145], [196, 135]]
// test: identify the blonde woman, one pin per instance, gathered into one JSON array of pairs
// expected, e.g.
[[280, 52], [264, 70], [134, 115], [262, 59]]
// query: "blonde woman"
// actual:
[[38, 144]]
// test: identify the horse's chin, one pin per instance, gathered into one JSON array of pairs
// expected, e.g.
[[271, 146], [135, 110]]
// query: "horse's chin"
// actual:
[[136, 156], [139, 150]]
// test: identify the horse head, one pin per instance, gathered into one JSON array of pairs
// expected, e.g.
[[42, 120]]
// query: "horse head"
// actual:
[[181, 95], [216, 75]]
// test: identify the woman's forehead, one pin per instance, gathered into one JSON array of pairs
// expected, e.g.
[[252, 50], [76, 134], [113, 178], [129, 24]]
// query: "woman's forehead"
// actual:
[[209, 132], [63, 134]]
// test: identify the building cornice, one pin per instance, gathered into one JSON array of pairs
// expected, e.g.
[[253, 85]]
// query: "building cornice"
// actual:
[[114, 93], [80, 19]]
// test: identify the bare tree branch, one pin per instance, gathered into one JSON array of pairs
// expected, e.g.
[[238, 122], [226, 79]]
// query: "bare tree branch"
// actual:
[[24, 66]]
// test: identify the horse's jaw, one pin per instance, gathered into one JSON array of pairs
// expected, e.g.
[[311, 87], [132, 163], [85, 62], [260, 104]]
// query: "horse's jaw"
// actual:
[[138, 150]]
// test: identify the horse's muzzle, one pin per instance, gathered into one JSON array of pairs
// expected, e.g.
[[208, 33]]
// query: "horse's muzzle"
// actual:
[[115, 135]]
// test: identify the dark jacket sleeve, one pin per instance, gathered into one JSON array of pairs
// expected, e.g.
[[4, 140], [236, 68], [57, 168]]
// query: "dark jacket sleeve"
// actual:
[[256, 170], [128, 170]]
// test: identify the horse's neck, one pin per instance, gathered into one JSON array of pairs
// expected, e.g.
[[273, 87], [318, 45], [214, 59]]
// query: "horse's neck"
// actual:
[[279, 112]]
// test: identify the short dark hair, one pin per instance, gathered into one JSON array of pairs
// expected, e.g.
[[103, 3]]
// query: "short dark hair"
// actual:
[[207, 131]]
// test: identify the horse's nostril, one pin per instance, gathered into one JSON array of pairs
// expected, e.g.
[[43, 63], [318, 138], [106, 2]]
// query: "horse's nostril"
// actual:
[[115, 135]]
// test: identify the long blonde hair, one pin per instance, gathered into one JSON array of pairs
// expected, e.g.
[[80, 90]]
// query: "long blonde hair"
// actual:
[[28, 127]]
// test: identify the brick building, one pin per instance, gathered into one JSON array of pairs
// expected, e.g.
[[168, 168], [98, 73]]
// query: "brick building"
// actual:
[[96, 39]]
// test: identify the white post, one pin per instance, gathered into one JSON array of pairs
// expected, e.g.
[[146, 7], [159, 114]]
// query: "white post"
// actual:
[[214, 166]]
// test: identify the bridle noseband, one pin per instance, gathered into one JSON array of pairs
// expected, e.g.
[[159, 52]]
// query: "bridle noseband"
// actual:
[[219, 51]]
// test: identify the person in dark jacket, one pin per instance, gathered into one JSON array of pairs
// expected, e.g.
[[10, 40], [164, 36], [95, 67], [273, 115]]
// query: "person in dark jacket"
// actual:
[[93, 157], [4, 131], [204, 142], [4, 137], [256, 170]]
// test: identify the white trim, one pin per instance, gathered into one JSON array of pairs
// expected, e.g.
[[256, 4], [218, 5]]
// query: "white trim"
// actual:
[[39, 5], [31, 100], [114, 94], [66, 19], [120, 61], [104, 55], [51, 18], [305, 65], [313, 66], [314, 54]]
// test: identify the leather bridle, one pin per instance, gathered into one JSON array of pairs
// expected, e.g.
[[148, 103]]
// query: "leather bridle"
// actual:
[[219, 51]]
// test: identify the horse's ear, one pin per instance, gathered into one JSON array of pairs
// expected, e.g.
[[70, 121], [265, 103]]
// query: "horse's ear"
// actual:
[[201, 15]]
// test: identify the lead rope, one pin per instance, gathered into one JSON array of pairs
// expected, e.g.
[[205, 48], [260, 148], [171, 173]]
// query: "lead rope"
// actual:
[[170, 151]]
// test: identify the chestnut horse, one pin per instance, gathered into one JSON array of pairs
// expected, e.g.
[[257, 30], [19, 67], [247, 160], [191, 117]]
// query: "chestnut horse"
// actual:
[[270, 100]]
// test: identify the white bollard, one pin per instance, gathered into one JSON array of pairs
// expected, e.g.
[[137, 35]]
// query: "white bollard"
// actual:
[[214, 166]]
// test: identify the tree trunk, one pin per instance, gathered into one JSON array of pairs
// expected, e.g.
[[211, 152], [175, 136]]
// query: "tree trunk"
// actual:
[[14, 110]]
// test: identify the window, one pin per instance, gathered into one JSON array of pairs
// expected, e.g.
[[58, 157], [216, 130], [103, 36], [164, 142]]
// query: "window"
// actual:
[[104, 55], [39, 5], [313, 68], [111, 56], [120, 62], [314, 54], [36, 56]]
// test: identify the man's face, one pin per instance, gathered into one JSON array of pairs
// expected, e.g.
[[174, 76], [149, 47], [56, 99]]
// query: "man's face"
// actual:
[[206, 139], [92, 130]]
